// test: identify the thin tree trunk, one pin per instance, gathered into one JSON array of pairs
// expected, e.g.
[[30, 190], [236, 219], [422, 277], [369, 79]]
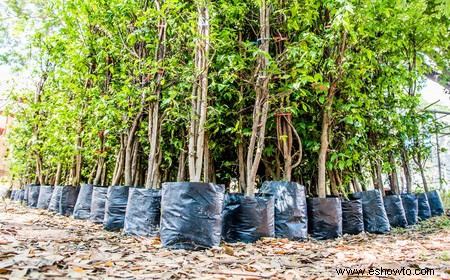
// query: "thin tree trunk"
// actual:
[[394, 177], [58, 174], [260, 111], [119, 167], [154, 124], [135, 161], [379, 177], [407, 170], [181, 176], [199, 94], [131, 138], [78, 157], [100, 160], [322, 188], [207, 162], [241, 159]]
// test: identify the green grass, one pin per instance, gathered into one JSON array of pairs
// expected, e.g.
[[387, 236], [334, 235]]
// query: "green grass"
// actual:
[[434, 224], [445, 199]]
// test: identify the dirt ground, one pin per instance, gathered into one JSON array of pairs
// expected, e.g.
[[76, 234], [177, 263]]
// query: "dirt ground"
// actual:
[[36, 244]]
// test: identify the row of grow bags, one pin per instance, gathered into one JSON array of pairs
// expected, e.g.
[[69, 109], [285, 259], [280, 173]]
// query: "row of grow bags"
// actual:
[[199, 215]]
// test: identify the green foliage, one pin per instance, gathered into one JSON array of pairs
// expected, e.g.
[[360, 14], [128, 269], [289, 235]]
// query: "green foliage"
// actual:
[[96, 78]]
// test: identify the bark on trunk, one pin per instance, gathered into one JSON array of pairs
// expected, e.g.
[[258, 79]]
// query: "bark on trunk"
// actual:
[[120, 160], [58, 174], [260, 111], [199, 94], [181, 176], [154, 123], [407, 170], [394, 177], [379, 177]]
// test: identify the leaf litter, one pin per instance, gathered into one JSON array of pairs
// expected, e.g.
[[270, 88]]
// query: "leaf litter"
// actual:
[[36, 244]]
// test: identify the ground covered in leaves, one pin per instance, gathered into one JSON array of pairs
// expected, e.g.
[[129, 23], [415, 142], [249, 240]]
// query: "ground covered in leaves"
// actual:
[[36, 244]]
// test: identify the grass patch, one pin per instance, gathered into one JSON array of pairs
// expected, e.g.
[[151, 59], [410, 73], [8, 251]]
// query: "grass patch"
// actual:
[[445, 199], [434, 224]]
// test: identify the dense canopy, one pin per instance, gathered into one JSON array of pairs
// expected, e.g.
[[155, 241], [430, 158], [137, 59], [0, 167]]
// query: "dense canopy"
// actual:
[[139, 92]]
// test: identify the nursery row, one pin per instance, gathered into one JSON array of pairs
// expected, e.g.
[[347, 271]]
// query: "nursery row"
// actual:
[[193, 216], [136, 93]]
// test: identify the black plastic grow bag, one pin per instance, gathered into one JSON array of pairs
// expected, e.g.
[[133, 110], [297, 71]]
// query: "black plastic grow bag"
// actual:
[[435, 202], [291, 215], [25, 195], [12, 196], [82, 209], [20, 195], [143, 213], [424, 207], [352, 216], [98, 204], [45, 195], [324, 217], [247, 219], [68, 199], [394, 210], [375, 217], [55, 199], [409, 201], [15, 194], [191, 215], [115, 207], [33, 195]]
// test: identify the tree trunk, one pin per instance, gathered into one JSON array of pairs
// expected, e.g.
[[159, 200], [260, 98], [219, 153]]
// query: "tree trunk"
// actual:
[[120, 160], [78, 157], [394, 177], [241, 161], [407, 170], [181, 176], [58, 174], [424, 180], [37, 99], [322, 188], [379, 177], [333, 183], [100, 160], [129, 144], [206, 164], [154, 123], [135, 162], [199, 94], [260, 111]]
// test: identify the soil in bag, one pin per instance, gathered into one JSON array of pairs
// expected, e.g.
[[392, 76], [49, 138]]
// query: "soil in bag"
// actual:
[[82, 209], [324, 217], [394, 210], [98, 204], [247, 219], [291, 215], [143, 213], [115, 207], [435, 202], [191, 215], [55, 199], [45, 195], [409, 201], [423, 206], [68, 199], [352, 216], [374, 214], [33, 195]]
